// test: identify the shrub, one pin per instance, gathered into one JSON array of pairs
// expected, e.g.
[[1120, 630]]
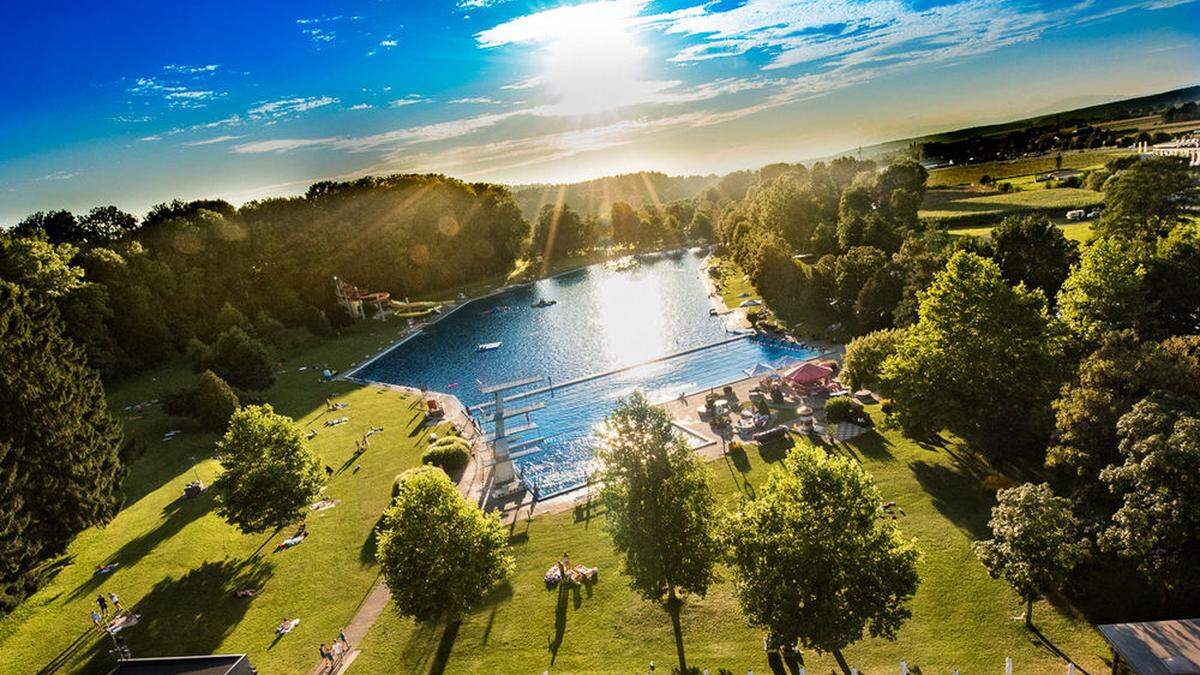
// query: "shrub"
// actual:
[[995, 482], [198, 355], [843, 409], [317, 322], [449, 453], [1005, 187], [209, 400], [267, 327], [242, 360]]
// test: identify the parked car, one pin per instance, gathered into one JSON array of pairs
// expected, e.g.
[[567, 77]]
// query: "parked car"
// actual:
[[1076, 214]]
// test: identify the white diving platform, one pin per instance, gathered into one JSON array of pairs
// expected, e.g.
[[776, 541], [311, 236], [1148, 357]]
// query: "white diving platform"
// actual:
[[509, 433], [514, 412]]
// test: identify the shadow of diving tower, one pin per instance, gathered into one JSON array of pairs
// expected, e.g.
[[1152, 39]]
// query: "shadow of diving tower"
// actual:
[[510, 423]]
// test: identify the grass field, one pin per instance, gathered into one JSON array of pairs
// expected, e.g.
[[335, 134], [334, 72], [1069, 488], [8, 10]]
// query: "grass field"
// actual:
[[180, 563], [1027, 166], [961, 618], [1080, 231], [732, 284], [949, 206]]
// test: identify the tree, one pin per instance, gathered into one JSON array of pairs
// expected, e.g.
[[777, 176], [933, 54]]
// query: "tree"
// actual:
[[269, 475], [1109, 381], [660, 506], [561, 231], [1034, 542], [1147, 199], [625, 223], [983, 360], [212, 401], [1104, 292], [1170, 281], [105, 223], [1158, 484], [865, 356], [60, 469], [1032, 250], [57, 226], [439, 554], [242, 360], [812, 562], [42, 267]]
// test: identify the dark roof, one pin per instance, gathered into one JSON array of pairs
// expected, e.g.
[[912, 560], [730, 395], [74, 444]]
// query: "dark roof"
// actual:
[[1157, 647], [217, 664]]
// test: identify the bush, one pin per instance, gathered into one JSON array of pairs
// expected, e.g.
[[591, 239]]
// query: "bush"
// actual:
[[1005, 187], [242, 360], [209, 400], [318, 323], [843, 409], [449, 453], [267, 328], [198, 355]]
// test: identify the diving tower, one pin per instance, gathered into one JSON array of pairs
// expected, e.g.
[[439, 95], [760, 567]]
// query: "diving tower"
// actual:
[[508, 427]]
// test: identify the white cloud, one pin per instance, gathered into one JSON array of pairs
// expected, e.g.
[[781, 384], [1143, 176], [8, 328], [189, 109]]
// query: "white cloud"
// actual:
[[132, 119], [59, 175], [150, 139], [279, 145], [388, 43], [191, 70], [478, 4], [361, 106], [174, 94], [212, 141], [476, 100], [320, 35], [529, 83], [321, 19], [288, 106], [411, 99]]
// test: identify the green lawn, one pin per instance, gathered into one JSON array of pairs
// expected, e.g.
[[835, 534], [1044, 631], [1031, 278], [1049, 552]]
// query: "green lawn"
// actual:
[[961, 617], [948, 207], [179, 562], [1027, 166], [1080, 231], [732, 284]]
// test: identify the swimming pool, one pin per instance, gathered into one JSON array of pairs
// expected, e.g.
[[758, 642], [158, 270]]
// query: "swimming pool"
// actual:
[[607, 319]]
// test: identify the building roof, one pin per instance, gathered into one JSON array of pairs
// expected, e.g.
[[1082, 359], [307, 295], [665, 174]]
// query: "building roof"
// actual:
[[1157, 647], [216, 664]]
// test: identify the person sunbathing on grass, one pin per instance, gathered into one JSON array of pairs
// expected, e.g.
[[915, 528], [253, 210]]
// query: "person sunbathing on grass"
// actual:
[[286, 626], [288, 543]]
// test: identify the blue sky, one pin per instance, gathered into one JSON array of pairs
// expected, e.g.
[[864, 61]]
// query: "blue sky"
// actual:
[[133, 103]]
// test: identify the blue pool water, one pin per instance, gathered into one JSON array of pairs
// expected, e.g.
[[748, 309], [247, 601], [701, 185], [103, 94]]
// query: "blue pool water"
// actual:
[[607, 319]]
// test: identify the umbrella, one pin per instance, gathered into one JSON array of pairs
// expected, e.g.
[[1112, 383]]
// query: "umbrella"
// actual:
[[758, 369], [750, 303]]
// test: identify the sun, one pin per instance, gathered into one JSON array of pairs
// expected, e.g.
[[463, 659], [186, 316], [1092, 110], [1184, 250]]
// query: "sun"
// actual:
[[592, 60]]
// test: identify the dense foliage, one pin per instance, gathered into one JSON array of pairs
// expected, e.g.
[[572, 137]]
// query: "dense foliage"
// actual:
[[660, 507], [439, 554], [60, 469], [269, 476], [133, 294], [984, 360], [813, 563]]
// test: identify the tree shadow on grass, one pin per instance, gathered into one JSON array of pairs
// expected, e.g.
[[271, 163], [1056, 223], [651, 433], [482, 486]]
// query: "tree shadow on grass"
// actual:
[[560, 623], [957, 495], [497, 596], [88, 635], [871, 445], [179, 514], [192, 614]]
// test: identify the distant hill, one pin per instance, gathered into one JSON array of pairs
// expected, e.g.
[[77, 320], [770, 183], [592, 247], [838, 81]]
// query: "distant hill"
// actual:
[[594, 197], [1092, 114]]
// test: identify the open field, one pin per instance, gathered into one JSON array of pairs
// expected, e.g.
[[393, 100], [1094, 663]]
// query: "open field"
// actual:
[[525, 628], [972, 208], [1026, 166], [1150, 123], [180, 562], [1080, 231]]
